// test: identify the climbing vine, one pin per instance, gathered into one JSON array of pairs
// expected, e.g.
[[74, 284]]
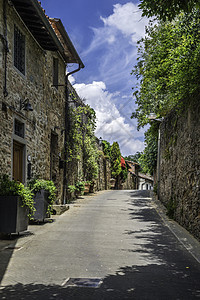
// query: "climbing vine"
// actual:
[[81, 144]]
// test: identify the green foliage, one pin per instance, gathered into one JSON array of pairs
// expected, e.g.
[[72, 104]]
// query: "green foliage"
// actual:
[[13, 188], [80, 186], [37, 185], [71, 188], [168, 67], [134, 157], [81, 140], [124, 174], [171, 208], [167, 9], [90, 156], [106, 148], [115, 159], [155, 188], [148, 158]]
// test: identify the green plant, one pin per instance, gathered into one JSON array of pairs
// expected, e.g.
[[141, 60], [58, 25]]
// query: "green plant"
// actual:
[[38, 184], [155, 188], [115, 157], [167, 67], [171, 208], [81, 141], [71, 188], [13, 188], [80, 186]]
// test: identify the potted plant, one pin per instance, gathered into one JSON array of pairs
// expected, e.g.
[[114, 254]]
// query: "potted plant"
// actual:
[[71, 189], [16, 206], [80, 186], [87, 187], [44, 196]]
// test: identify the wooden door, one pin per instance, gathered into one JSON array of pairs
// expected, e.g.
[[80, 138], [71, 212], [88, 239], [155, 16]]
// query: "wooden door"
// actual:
[[18, 161]]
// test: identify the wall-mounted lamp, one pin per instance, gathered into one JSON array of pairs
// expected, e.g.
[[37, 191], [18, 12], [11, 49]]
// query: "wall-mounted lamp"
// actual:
[[25, 105]]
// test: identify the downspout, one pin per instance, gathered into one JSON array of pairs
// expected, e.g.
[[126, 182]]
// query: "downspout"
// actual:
[[5, 46], [67, 128]]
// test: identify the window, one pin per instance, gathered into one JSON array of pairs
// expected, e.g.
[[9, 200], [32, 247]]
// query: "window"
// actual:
[[19, 50], [19, 128], [55, 72]]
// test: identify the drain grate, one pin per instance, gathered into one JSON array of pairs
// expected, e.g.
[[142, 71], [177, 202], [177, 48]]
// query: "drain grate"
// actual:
[[83, 282], [12, 248]]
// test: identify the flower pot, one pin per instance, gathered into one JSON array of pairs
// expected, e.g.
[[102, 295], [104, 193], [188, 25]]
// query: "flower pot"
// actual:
[[13, 217], [41, 205]]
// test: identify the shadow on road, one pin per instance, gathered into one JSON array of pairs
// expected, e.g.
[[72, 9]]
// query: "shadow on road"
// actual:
[[8, 243], [148, 282], [175, 275]]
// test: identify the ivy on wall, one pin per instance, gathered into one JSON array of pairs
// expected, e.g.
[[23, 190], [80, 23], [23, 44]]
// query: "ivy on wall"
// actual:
[[81, 144]]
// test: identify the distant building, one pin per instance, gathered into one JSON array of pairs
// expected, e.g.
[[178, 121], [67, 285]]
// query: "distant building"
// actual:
[[131, 182], [145, 182]]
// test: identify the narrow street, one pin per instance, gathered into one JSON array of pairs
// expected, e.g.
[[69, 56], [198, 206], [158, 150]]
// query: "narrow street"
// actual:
[[118, 240]]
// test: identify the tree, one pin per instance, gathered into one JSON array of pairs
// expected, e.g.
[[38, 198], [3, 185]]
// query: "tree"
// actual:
[[133, 157], [106, 148], [148, 158], [168, 67], [167, 9], [115, 158]]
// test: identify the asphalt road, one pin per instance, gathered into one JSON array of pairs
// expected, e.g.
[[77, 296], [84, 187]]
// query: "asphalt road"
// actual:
[[113, 245]]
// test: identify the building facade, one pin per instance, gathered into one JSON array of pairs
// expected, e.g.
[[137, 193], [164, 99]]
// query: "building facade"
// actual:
[[34, 53]]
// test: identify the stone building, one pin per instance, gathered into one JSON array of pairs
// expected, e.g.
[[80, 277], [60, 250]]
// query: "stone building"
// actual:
[[34, 53], [131, 182]]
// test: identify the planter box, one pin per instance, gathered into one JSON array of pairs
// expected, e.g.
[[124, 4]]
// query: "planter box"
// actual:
[[13, 217], [112, 183], [87, 188], [79, 193], [41, 205]]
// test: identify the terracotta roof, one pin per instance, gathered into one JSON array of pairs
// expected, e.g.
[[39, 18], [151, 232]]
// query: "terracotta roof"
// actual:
[[148, 177], [38, 23]]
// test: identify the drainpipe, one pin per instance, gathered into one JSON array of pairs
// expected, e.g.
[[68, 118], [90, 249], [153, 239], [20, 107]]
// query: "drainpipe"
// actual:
[[67, 128], [5, 46]]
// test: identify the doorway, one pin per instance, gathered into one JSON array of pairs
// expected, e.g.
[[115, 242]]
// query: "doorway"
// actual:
[[18, 161]]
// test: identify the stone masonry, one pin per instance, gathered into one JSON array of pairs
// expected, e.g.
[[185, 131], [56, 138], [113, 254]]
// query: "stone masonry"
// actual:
[[180, 166]]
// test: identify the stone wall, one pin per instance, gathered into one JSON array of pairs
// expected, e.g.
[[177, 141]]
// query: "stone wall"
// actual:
[[130, 183], [47, 118], [180, 166]]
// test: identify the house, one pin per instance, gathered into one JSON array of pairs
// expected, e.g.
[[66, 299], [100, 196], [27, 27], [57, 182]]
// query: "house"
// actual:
[[145, 182], [34, 54]]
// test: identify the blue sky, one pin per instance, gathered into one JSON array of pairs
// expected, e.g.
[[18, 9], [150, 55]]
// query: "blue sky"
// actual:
[[104, 33]]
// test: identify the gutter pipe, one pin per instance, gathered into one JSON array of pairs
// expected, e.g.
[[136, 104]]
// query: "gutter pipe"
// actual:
[[6, 50]]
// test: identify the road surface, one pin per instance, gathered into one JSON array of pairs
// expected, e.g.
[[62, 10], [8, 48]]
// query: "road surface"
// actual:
[[112, 245]]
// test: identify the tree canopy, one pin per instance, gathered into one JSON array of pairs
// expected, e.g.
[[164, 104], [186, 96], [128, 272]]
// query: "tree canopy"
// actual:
[[167, 9], [115, 158], [168, 67]]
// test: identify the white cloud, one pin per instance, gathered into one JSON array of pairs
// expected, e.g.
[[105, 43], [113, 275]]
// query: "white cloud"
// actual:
[[127, 19], [113, 47], [112, 54], [112, 124]]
